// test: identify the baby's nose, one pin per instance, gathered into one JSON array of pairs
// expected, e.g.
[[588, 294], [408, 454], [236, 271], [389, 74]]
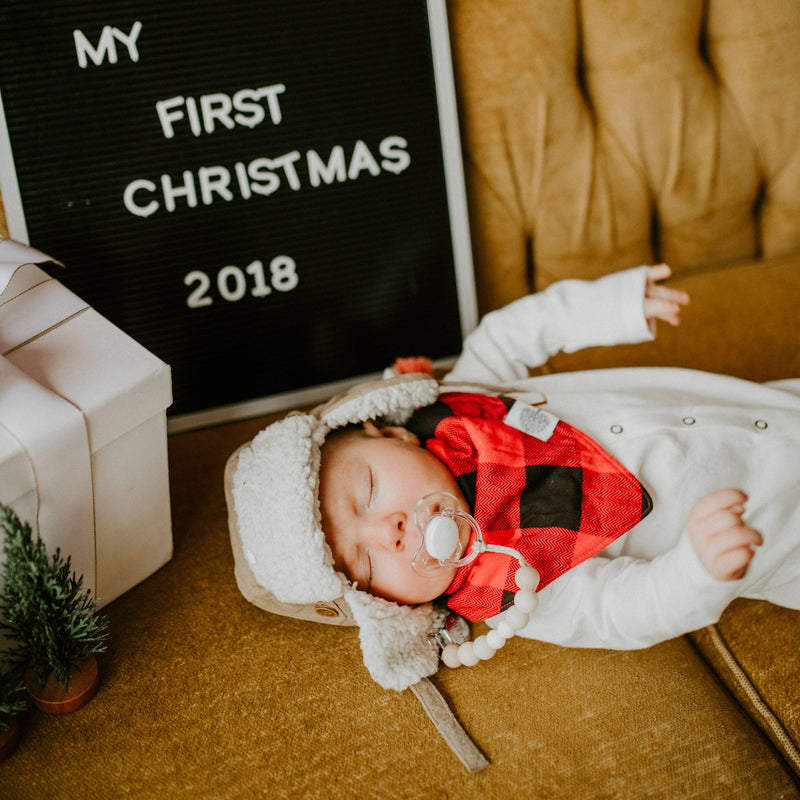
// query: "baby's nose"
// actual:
[[392, 533]]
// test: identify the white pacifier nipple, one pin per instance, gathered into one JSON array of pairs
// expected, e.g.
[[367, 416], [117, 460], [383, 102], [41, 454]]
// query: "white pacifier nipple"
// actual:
[[441, 537]]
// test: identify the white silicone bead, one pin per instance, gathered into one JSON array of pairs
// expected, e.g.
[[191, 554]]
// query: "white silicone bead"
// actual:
[[482, 648], [527, 578], [495, 639], [526, 602], [516, 619], [505, 630], [450, 656], [466, 654]]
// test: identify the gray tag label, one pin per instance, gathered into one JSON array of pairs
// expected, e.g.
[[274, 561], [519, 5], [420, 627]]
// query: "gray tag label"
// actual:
[[533, 421]]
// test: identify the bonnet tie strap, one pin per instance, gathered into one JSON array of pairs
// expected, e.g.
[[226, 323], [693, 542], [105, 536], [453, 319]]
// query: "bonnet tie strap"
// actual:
[[448, 726]]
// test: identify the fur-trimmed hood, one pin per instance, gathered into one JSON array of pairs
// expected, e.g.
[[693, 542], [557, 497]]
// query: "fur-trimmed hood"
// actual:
[[278, 539]]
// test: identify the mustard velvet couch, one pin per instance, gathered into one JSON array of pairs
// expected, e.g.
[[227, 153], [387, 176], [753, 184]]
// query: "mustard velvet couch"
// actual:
[[597, 134], [607, 133]]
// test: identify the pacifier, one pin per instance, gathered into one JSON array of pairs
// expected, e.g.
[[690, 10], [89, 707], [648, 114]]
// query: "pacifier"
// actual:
[[442, 526]]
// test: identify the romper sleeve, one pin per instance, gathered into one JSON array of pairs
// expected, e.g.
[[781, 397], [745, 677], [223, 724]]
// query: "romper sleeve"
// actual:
[[626, 603], [567, 316]]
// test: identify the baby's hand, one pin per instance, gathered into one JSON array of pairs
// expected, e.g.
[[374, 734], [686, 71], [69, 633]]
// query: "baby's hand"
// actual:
[[660, 302], [723, 543]]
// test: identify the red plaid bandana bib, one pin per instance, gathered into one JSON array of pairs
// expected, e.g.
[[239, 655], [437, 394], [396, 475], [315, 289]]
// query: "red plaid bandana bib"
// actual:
[[557, 502]]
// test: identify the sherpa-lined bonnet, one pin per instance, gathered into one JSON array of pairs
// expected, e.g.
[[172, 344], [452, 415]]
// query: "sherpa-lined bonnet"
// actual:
[[275, 494]]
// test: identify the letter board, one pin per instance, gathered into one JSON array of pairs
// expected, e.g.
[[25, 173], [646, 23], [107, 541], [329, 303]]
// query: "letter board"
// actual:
[[259, 193]]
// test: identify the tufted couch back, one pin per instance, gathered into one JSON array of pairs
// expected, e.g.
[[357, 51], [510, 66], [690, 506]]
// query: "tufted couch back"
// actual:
[[600, 134], [605, 134]]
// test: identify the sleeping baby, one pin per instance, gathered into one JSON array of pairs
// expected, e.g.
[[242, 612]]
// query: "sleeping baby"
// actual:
[[608, 508]]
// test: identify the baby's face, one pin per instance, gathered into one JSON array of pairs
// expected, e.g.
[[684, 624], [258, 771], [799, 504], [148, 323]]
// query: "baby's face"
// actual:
[[370, 482]]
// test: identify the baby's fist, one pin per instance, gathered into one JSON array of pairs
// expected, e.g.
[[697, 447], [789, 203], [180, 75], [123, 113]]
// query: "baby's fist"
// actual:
[[722, 541]]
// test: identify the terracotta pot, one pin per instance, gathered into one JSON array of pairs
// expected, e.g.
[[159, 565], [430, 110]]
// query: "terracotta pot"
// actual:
[[9, 738], [52, 698]]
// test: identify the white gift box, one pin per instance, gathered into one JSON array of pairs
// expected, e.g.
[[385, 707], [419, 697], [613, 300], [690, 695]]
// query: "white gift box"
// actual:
[[83, 437]]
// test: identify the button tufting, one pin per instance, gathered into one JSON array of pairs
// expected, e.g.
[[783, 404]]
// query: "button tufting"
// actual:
[[325, 610], [616, 429], [689, 420], [761, 424]]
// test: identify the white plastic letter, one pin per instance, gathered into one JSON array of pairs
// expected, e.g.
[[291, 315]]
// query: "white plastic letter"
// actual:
[[130, 201], [194, 117], [362, 159], [216, 106], [105, 47], [286, 161], [129, 40], [214, 179], [250, 113], [395, 157], [271, 93], [171, 192], [334, 170], [241, 177], [266, 182], [168, 113]]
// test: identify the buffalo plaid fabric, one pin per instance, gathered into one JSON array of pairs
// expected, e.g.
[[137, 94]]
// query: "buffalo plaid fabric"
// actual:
[[557, 502]]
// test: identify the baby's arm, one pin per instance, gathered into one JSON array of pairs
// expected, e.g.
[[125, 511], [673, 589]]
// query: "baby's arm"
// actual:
[[626, 603], [620, 308], [719, 536]]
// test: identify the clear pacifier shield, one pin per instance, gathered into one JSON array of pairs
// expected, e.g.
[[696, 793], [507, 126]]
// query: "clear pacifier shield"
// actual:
[[443, 527]]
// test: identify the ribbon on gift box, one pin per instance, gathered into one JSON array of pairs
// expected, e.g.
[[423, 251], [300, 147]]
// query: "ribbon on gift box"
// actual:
[[48, 428]]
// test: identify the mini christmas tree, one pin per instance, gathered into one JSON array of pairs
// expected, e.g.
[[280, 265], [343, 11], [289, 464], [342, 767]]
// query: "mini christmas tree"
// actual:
[[12, 699], [52, 621]]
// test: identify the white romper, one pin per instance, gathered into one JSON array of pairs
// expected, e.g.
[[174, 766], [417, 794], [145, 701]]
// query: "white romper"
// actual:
[[683, 433]]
